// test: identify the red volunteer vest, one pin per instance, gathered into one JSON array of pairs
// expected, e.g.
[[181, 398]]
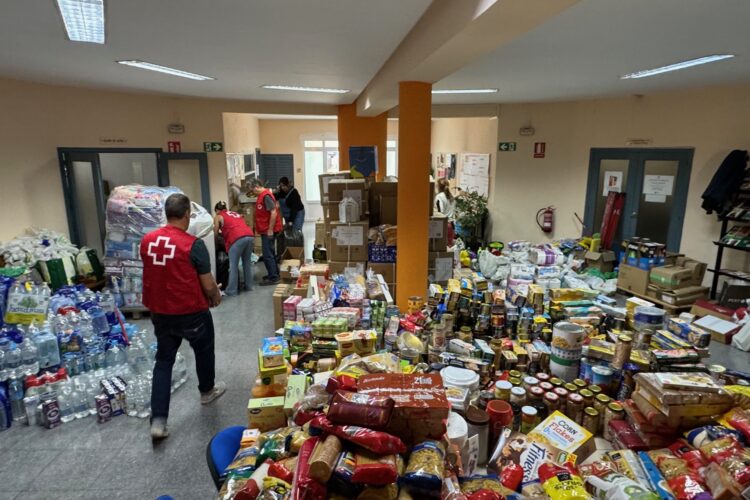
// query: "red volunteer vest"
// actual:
[[170, 281], [263, 216], [234, 227]]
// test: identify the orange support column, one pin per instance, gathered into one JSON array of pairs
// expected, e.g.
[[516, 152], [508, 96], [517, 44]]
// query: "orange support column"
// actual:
[[356, 130], [415, 113]]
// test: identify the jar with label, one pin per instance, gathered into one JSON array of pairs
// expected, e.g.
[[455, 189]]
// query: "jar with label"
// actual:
[[595, 389], [534, 395], [529, 419], [552, 401], [484, 398], [438, 336], [557, 382], [588, 397], [529, 382], [518, 396], [502, 390], [464, 333], [614, 411], [574, 407], [515, 374], [561, 392], [542, 377], [515, 382], [571, 387], [546, 386], [600, 402], [580, 383], [477, 421], [590, 420]]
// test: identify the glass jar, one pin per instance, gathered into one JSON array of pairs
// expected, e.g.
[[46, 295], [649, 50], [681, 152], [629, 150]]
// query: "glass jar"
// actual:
[[590, 420], [534, 395], [552, 401], [600, 402], [561, 392], [580, 383], [571, 387], [574, 407], [529, 382], [502, 390], [588, 397], [546, 386], [529, 419], [518, 396], [557, 382], [542, 377]]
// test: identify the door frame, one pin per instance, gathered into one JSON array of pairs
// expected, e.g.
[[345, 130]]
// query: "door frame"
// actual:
[[64, 154], [162, 168], [637, 158]]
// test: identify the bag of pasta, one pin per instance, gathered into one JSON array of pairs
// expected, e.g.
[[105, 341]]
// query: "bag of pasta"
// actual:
[[424, 470]]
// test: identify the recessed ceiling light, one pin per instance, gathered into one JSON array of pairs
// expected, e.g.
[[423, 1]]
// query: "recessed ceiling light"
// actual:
[[83, 19], [305, 89], [464, 91], [677, 66], [164, 69]]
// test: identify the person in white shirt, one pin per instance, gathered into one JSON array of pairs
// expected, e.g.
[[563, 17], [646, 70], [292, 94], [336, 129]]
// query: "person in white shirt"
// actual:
[[444, 201]]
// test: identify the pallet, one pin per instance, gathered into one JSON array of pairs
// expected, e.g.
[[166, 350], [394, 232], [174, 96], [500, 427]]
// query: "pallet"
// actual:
[[670, 308], [135, 313]]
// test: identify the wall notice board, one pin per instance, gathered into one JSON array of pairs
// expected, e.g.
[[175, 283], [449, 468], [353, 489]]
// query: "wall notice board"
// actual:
[[475, 173]]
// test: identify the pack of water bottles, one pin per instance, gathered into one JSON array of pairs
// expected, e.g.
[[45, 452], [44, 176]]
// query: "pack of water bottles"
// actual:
[[82, 359]]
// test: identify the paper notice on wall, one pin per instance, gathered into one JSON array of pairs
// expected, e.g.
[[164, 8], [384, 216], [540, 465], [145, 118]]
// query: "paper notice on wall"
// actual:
[[475, 173], [443, 268], [612, 182], [354, 194], [655, 198], [658, 184], [348, 236], [436, 229]]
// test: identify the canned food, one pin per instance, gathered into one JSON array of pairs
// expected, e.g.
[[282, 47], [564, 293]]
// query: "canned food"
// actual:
[[595, 389], [600, 402], [485, 397], [590, 420], [546, 386], [515, 374]]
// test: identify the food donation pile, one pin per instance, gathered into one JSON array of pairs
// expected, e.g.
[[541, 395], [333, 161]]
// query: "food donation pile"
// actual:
[[481, 393]]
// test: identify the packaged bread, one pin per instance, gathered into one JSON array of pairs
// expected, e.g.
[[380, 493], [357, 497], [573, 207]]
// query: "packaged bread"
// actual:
[[323, 458]]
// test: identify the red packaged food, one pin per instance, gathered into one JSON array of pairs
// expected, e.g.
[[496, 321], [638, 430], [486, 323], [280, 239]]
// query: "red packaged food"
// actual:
[[626, 436], [303, 417], [687, 487], [378, 442], [740, 420], [374, 469], [693, 457], [341, 382], [350, 408], [278, 470], [511, 476], [304, 487], [484, 495]]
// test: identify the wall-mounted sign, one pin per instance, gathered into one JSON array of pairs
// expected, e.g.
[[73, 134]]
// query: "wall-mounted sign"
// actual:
[[213, 147], [113, 141], [174, 146], [539, 149], [176, 128], [506, 146]]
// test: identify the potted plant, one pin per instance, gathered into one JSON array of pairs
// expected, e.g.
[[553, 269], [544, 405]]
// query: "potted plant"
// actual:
[[471, 210]]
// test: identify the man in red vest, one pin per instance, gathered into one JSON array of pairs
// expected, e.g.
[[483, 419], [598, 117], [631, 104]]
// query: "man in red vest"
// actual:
[[238, 240], [268, 225], [178, 289]]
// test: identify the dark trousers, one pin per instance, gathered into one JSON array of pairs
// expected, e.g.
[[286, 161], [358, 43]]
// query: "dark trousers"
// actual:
[[170, 330], [269, 256]]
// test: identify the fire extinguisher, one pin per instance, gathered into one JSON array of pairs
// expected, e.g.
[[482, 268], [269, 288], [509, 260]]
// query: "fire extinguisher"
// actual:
[[548, 219]]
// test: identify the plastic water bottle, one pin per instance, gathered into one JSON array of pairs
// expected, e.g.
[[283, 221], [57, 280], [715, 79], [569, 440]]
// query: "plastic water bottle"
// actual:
[[67, 403], [15, 393], [80, 397], [13, 361], [99, 321], [86, 328], [29, 357], [47, 347]]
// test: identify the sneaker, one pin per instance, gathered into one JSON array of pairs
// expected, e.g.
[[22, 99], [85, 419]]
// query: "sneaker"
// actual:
[[209, 397], [271, 282], [159, 429]]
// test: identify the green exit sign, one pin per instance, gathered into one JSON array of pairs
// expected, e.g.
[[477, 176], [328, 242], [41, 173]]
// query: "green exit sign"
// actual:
[[506, 146], [213, 147]]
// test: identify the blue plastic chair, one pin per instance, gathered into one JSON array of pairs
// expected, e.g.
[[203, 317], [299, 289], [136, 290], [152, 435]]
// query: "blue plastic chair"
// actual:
[[221, 451]]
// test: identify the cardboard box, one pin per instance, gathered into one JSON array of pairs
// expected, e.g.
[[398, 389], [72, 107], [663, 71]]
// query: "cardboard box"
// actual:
[[707, 308], [322, 231], [683, 296], [338, 189], [348, 242], [325, 179], [698, 269], [562, 433], [331, 212], [671, 277], [272, 351], [286, 267], [633, 279], [383, 198], [734, 294], [388, 271], [358, 268], [266, 414], [296, 388], [604, 261], [280, 294], [721, 330], [438, 233], [440, 267], [297, 253]]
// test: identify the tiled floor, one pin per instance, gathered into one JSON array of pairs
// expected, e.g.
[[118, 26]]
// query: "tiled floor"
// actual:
[[87, 460]]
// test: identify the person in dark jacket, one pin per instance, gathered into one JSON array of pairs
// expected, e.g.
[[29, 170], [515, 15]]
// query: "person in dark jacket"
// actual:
[[293, 204], [725, 183]]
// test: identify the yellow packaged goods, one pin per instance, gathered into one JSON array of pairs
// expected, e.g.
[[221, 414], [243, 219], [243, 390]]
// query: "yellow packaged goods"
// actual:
[[364, 341], [249, 437], [561, 483], [562, 433], [324, 457], [295, 390], [266, 414]]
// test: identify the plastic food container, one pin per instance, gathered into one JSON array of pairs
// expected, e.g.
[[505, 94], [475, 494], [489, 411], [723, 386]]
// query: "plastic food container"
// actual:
[[460, 377]]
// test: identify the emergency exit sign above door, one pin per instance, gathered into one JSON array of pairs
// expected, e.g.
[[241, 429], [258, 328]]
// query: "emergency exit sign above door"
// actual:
[[213, 147], [506, 146]]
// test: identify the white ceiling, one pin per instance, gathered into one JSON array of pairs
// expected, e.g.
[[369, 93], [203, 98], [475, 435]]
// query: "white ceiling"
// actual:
[[584, 51], [242, 43]]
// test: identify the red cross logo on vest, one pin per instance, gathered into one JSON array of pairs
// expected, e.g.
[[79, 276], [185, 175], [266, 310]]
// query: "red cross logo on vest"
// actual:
[[233, 214], [161, 251]]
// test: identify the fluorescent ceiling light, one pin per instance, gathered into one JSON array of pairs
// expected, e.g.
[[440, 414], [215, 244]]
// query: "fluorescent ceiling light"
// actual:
[[464, 91], [305, 89], [165, 69], [83, 19], [677, 66]]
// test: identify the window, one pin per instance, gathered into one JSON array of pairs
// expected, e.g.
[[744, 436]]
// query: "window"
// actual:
[[391, 159], [321, 156]]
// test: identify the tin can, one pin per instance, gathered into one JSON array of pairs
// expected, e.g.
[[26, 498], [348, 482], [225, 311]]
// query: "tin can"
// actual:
[[433, 354], [716, 372], [547, 335], [529, 419], [603, 376], [464, 333], [584, 370], [614, 411], [627, 385], [643, 339], [502, 390], [590, 420], [518, 396], [438, 336], [574, 407], [103, 408], [623, 348]]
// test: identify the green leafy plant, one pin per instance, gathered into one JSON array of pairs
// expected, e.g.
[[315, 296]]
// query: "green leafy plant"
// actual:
[[471, 209]]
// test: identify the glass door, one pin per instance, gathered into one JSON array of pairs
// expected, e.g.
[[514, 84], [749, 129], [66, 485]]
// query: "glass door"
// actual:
[[655, 183], [189, 172], [84, 198]]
